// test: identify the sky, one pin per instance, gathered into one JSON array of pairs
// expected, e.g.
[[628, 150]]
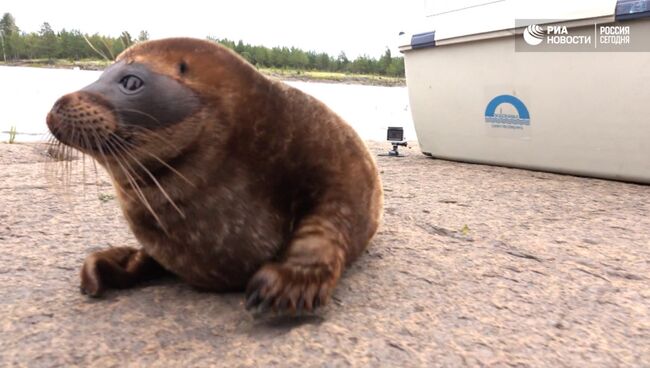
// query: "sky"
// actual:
[[356, 27]]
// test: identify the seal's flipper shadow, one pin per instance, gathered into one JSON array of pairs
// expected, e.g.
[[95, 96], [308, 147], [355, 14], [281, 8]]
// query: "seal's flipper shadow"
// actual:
[[272, 323], [167, 281]]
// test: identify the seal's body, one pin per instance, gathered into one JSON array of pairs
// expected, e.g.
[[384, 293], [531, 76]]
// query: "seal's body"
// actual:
[[227, 179]]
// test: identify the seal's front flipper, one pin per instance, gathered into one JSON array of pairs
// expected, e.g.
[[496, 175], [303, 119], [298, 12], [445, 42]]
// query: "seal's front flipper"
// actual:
[[117, 268], [310, 269]]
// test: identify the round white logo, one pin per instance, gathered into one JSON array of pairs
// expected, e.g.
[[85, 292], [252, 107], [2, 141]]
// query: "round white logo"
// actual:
[[534, 35]]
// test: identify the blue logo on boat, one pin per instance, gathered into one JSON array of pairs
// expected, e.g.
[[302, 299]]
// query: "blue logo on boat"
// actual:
[[507, 120]]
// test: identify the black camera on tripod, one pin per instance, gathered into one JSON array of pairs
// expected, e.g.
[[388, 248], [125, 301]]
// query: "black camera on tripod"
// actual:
[[395, 136]]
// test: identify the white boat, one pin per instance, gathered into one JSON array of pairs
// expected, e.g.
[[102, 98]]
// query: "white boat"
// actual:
[[515, 83]]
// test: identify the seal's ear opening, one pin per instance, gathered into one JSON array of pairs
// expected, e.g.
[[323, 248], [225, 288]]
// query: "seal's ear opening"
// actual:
[[182, 67]]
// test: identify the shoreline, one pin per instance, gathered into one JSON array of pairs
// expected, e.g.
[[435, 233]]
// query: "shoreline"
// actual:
[[310, 76]]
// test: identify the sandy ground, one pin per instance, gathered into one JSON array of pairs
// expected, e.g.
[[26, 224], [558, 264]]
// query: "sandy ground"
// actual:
[[474, 266]]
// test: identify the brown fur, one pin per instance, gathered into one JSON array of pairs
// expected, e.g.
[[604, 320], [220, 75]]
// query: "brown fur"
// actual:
[[263, 185]]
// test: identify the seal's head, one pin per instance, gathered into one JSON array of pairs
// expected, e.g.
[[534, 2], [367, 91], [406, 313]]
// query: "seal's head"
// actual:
[[157, 99]]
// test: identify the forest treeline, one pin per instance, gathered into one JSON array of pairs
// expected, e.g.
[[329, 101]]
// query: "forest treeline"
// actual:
[[74, 45]]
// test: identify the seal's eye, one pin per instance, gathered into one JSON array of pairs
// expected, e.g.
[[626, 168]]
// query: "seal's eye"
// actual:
[[131, 84], [182, 67]]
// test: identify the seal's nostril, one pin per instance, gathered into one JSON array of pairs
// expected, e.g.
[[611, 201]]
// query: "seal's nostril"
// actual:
[[61, 103]]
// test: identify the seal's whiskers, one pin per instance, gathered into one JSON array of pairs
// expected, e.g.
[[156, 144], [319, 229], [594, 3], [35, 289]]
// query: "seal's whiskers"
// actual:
[[149, 132], [136, 188], [130, 146], [120, 147]]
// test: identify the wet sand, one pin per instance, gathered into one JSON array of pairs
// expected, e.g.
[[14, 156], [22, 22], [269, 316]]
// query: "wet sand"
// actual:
[[474, 265]]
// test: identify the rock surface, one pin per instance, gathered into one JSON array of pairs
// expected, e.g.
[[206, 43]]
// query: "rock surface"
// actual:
[[474, 265]]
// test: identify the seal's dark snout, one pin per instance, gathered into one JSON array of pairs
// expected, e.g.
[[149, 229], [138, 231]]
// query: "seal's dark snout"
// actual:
[[81, 117], [52, 122], [54, 117], [64, 101]]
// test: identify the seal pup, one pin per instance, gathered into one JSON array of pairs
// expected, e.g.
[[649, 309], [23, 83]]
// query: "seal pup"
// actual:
[[227, 179]]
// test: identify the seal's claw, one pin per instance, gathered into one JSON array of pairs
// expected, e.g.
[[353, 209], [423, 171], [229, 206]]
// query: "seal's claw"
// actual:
[[265, 305], [119, 268], [291, 289], [252, 300], [91, 283]]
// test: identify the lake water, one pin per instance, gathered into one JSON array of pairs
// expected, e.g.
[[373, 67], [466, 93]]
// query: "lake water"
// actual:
[[27, 94]]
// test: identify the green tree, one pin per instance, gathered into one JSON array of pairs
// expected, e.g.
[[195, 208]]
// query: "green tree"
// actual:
[[260, 56], [280, 57], [78, 48], [322, 62], [74, 45], [143, 36], [8, 25], [48, 42], [9, 37], [224, 42], [297, 59], [385, 62], [28, 46], [239, 48], [342, 62], [65, 43], [363, 65], [396, 68]]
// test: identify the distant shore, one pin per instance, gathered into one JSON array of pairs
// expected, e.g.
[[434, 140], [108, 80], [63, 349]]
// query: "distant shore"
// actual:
[[283, 74]]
